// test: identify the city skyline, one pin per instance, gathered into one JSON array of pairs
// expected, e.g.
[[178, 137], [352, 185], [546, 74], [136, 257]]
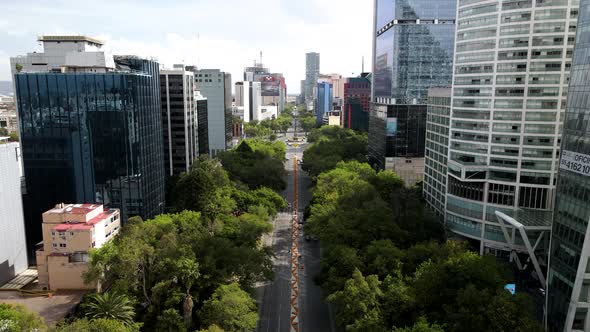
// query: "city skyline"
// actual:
[[181, 32]]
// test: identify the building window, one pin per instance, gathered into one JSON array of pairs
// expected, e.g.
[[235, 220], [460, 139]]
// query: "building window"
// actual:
[[55, 245], [62, 245]]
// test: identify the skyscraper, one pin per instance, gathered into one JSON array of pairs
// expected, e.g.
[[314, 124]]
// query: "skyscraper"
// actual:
[[568, 290], [91, 134], [312, 73], [215, 85], [324, 100], [509, 93], [179, 120], [412, 52]]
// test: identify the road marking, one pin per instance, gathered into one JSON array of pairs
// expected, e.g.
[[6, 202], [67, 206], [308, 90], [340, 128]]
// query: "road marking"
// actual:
[[294, 256]]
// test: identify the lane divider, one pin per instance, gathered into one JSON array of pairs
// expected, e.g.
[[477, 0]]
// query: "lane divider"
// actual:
[[294, 257]]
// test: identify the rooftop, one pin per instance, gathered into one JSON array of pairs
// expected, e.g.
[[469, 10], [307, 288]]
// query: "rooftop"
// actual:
[[69, 39], [74, 208]]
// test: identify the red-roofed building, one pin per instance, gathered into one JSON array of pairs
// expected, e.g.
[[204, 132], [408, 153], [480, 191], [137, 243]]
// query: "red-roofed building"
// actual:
[[69, 232]]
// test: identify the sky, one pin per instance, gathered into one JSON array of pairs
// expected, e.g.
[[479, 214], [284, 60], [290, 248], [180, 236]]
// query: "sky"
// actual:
[[224, 34]]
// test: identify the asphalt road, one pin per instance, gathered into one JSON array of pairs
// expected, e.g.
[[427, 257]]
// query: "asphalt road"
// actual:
[[273, 297]]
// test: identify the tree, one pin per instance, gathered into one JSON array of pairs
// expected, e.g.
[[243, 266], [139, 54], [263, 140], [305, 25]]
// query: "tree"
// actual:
[[171, 321], [331, 145], [307, 123], [203, 188], [359, 303], [108, 305], [3, 132], [13, 137], [174, 262], [231, 308], [96, 325], [15, 318], [188, 271], [256, 166], [421, 326]]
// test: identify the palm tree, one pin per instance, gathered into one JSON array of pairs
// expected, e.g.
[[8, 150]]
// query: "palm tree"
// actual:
[[109, 305]]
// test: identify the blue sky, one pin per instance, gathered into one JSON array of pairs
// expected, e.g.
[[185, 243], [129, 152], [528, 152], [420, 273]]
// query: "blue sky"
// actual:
[[225, 34]]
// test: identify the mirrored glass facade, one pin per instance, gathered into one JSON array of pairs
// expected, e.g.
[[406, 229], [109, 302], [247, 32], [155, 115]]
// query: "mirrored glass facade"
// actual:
[[92, 138], [569, 282], [413, 48], [413, 51]]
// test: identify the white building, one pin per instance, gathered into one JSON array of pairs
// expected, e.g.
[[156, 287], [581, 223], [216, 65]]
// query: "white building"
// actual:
[[215, 85], [13, 247], [252, 108], [61, 53]]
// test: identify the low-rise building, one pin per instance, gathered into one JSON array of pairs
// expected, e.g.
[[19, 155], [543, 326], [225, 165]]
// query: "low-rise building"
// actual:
[[8, 120], [69, 232]]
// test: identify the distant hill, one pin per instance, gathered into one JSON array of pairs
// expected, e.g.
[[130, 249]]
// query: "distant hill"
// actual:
[[6, 88]]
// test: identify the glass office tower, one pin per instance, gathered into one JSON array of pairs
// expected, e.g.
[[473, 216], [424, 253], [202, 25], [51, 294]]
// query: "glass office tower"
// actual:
[[324, 100], [569, 279], [92, 138], [412, 52], [413, 49], [511, 74]]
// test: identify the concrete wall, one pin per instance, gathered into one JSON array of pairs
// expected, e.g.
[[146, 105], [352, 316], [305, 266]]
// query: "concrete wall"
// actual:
[[411, 170], [65, 275], [13, 250]]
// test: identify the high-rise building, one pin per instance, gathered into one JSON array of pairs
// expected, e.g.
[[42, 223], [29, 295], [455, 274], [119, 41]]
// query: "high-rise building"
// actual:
[[510, 85], [324, 100], [312, 73], [568, 291], [356, 107], [437, 143], [92, 135], [412, 52], [179, 120], [215, 85], [13, 246], [273, 89], [202, 121], [301, 99], [337, 82], [70, 231], [239, 94]]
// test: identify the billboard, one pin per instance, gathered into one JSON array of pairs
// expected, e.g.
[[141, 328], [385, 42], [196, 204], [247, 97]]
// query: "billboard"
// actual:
[[391, 126], [270, 84]]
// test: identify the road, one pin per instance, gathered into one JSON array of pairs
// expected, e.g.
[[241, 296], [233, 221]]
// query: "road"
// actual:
[[273, 297]]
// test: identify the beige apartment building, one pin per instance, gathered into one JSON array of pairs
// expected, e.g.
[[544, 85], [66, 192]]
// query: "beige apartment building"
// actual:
[[69, 232]]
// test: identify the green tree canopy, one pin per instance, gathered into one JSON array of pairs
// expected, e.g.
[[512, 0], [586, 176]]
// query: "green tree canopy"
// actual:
[[256, 165], [174, 262], [204, 189], [331, 145], [231, 308], [96, 325], [15, 318], [109, 305], [359, 303]]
